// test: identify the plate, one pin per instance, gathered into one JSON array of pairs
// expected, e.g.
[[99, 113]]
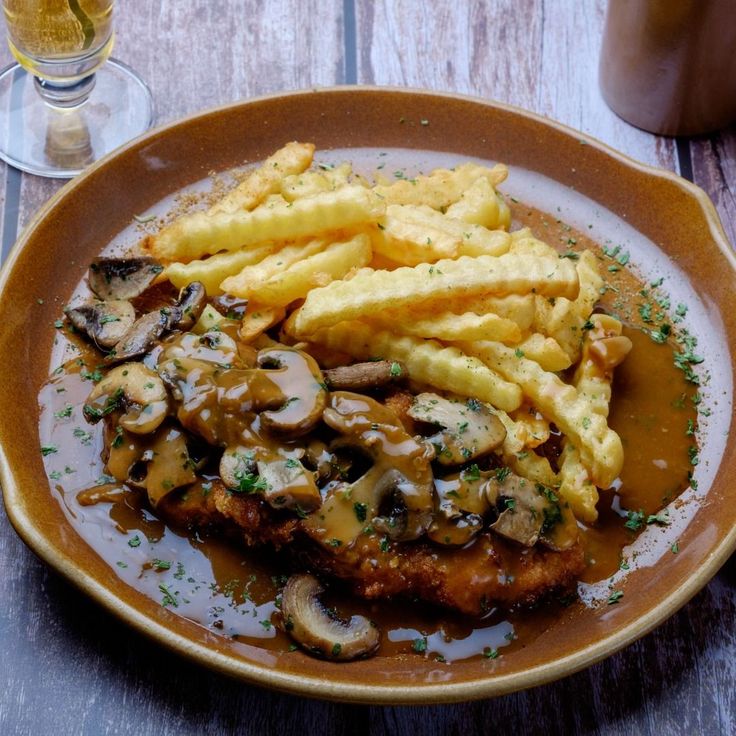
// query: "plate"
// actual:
[[668, 225]]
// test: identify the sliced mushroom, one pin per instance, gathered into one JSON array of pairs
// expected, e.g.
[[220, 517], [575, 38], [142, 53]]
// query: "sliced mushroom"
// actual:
[[122, 278], [364, 376], [462, 501], [289, 485], [469, 430], [190, 305], [302, 394], [311, 626], [400, 471], [525, 508], [138, 391], [159, 462], [140, 338], [104, 322]]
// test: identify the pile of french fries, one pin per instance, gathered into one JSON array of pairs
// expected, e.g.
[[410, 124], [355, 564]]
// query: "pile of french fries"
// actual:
[[421, 270]]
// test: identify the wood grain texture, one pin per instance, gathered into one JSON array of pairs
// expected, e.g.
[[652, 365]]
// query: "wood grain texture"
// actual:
[[541, 55], [70, 668]]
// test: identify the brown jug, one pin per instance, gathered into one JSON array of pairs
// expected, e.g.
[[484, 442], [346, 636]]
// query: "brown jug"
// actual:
[[669, 66]]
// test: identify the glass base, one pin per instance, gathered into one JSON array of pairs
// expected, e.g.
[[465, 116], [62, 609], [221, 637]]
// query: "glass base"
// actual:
[[55, 142]]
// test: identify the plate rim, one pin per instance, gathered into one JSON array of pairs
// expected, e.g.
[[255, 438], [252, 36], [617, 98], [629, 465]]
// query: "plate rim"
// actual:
[[343, 690]]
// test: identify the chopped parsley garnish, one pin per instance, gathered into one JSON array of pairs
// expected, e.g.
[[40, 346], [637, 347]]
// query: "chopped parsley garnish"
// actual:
[[634, 520], [471, 473], [64, 413], [361, 511], [134, 541], [615, 597], [169, 598], [395, 370], [419, 645], [49, 450]]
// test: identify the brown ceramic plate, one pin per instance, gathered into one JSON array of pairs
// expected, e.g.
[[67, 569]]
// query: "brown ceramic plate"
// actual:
[[668, 224]]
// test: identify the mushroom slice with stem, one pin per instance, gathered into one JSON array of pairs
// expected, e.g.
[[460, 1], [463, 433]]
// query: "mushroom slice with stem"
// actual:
[[462, 501], [104, 322], [122, 278], [311, 626], [400, 473], [140, 338], [468, 429], [136, 390], [189, 306], [300, 397], [364, 376], [289, 485], [526, 508]]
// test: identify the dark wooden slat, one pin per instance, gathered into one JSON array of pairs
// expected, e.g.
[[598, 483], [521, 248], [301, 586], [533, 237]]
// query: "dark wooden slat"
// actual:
[[714, 169]]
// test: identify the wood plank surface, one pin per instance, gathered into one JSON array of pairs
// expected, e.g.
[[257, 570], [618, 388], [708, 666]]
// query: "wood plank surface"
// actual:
[[70, 668]]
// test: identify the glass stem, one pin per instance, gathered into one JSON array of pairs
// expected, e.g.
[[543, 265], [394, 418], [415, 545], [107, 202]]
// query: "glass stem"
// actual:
[[65, 95]]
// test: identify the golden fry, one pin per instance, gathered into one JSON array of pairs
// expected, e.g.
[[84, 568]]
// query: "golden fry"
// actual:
[[544, 350], [600, 447], [335, 262], [293, 158], [450, 326], [310, 183], [427, 361], [245, 283], [480, 204], [440, 188], [215, 269], [192, 236], [370, 292], [257, 320]]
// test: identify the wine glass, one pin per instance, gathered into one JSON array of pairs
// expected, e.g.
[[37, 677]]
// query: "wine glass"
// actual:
[[66, 103]]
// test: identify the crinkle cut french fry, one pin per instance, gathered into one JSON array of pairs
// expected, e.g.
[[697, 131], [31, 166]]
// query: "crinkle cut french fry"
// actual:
[[523, 461], [440, 188], [544, 350], [378, 290], [293, 158], [565, 319], [491, 243], [450, 326], [600, 447], [478, 204], [213, 270], [310, 183], [530, 245], [245, 283], [603, 348], [575, 484], [532, 427], [257, 320], [427, 361], [402, 239], [421, 231], [192, 236], [335, 262]]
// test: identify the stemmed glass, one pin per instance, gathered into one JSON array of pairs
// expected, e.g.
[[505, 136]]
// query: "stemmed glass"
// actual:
[[66, 103]]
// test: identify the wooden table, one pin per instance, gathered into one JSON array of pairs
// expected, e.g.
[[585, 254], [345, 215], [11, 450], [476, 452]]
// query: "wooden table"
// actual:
[[68, 667]]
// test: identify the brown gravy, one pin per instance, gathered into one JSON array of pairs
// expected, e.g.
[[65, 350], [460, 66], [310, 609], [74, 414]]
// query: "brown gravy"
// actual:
[[234, 592]]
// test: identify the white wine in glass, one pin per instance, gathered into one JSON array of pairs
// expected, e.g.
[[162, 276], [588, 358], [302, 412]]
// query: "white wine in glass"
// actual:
[[66, 103]]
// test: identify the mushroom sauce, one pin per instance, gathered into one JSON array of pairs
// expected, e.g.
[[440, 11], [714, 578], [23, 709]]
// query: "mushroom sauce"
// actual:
[[236, 591]]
